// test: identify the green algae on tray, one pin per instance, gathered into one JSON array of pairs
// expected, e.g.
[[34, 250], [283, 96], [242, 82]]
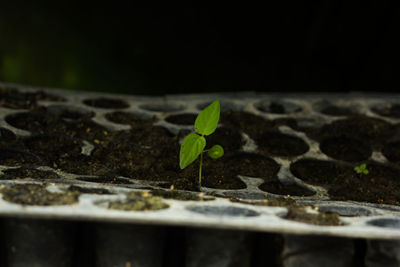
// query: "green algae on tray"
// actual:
[[139, 201], [34, 194]]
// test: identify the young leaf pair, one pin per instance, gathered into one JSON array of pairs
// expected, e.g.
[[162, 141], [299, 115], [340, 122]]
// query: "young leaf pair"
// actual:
[[193, 145]]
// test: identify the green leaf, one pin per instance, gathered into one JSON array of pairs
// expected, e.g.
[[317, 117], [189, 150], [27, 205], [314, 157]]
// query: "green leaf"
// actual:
[[191, 148], [207, 121], [362, 169], [215, 152]]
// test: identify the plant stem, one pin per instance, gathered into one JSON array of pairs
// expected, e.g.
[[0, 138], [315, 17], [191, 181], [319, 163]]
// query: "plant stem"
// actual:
[[201, 163]]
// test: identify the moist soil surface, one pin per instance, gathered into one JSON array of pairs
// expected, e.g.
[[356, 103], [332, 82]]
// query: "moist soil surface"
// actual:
[[372, 132], [150, 152], [380, 185]]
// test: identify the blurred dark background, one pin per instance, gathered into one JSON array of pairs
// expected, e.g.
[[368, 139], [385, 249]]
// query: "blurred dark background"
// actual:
[[284, 46]]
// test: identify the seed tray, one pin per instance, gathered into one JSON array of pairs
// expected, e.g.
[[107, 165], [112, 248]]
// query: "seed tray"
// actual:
[[255, 205]]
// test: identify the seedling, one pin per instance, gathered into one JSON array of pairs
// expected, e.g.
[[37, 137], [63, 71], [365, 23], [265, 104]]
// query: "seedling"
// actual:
[[362, 169], [193, 145]]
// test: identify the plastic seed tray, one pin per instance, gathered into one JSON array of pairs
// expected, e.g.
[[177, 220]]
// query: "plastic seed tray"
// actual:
[[361, 219], [289, 170]]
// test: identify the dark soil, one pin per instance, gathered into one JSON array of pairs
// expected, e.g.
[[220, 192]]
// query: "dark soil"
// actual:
[[83, 165], [216, 174], [26, 172], [12, 98], [229, 138], [148, 152], [52, 148], [33, 194], [222, 173], [107, 103], [266, 133], [130, 119], [6, 136], [17, 157], [391, 151], [63, 152], [380, 185], [276, 107], [251, 124], [346, 148], [283, 145], [40, 121], [276, 187], [182, 119], [252, 165], [319, 172], [145, 153], [85, 190], [337, 111], [372, 131]]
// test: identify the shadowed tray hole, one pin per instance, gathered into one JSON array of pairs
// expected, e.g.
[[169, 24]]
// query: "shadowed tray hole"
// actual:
[[346, 211], [327, 108], [107, 103], [386, 223], [223, 211], [387, 110], [182, 119], [278, 107]]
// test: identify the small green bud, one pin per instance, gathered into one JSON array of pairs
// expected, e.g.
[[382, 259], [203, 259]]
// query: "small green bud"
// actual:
[[215, 152]]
